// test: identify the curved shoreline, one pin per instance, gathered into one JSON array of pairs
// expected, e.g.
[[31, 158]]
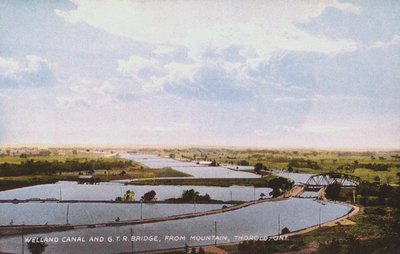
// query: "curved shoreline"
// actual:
[[30, 229], [354, 210]]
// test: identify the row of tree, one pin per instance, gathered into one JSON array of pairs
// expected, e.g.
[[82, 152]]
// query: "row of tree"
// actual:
[[129, 195], [31, 167]]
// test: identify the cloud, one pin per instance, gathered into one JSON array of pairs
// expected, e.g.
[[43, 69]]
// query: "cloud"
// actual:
[[71, 102], [372, 22], [164, 50], [96, 94], [214, 50], [264, 26], [394, 41], [32, 71], [290, 99], [276, 130], [143, 71], [324, 128]]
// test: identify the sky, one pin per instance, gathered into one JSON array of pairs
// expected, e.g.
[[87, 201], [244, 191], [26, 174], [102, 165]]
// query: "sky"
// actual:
[[187, 72]]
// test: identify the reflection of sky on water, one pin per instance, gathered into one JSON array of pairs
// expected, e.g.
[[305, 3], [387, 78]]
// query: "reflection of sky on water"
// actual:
[[191, 168], [85, 213], [109, 191], [261, 219], [298, 178]]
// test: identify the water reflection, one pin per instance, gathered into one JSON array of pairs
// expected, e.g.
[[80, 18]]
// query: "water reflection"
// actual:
[[257, 220], [191, 168], [109, 191]]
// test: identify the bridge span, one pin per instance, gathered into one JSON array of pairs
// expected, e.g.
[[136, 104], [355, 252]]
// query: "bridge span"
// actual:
[[323, 180]]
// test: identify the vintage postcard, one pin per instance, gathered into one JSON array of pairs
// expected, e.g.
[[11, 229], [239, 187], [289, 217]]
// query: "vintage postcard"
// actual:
[[199, 126]]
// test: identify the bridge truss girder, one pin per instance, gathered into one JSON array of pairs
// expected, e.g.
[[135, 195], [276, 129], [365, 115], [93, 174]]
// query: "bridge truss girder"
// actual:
[[333, 178]]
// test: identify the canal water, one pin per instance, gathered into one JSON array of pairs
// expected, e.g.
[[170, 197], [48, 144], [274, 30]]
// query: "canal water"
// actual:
[[35, 213], [254, 221], [298, 178], [191, 168], [109, 191]]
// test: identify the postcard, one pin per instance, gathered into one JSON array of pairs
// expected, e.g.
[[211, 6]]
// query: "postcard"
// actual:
[[186, 126]]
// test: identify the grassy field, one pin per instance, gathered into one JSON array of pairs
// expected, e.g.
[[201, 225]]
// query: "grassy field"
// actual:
[[258, 182], [22, 155], [349, 162], [309, 161], [18, 155]]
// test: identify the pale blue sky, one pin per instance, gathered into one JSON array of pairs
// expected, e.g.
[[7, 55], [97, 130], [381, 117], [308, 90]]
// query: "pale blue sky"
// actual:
[[237, 73]]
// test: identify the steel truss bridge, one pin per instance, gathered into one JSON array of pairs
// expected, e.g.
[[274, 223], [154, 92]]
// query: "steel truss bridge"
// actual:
[[323, 180]]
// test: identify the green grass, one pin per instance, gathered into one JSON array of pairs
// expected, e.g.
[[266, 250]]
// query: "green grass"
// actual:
[[388, 177], [300, 242], [258, 182], [328, 161], [52, 157]]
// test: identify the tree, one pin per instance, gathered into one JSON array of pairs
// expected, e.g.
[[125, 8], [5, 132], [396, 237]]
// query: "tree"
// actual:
[[36, 246], [192, 195], [285, 230], [129, 196], [279, 185], [201, 251], [329, 246], [385, 191], [333, 191], [258, 167], [214, 163], [189, 194], [244, 163], [149, 196]]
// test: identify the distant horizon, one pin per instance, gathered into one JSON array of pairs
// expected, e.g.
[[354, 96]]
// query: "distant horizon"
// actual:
[[140, 146], [209, 73]]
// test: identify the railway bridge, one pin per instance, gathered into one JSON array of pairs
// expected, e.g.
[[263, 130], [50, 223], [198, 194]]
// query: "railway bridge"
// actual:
[[323, 180]]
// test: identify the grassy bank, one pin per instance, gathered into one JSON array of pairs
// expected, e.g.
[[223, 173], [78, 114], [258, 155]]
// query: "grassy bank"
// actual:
[[29, 167], [258, 182], [381, 166], [7, 183]]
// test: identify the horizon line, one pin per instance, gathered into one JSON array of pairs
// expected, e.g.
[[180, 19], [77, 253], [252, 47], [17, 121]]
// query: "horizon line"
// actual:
[[160, 146]]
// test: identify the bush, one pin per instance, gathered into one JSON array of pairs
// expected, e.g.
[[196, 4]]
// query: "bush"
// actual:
[[333, 191], [149, 196]]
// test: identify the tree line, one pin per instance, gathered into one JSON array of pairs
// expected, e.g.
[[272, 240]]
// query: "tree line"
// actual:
[[31, 167]]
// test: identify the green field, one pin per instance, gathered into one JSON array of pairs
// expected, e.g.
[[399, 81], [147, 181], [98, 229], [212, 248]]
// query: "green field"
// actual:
[[321, 161], [372, 166], [20, 161]]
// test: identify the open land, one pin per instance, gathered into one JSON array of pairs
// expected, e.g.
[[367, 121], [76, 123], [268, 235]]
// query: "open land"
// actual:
[[375, 228]]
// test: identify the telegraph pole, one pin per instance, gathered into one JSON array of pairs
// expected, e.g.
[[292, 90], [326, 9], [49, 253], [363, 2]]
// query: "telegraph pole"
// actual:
[[279, 224], [194, 203], [67, 213], [319, 217], [141, 209], [215, 232], [131, 240], [23, 245]]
